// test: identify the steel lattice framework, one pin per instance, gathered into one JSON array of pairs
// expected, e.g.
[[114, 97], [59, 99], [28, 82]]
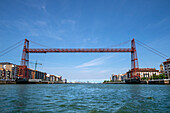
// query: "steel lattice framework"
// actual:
[[27, 50]]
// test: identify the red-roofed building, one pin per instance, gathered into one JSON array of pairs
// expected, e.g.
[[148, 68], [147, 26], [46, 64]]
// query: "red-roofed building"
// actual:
[[144, 72]]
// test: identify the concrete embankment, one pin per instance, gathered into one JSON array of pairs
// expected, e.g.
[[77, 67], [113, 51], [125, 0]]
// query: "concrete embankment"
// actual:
[[45, 82], [39, 81], [32, 81], [158, 81], [114, 83], [7, 82]]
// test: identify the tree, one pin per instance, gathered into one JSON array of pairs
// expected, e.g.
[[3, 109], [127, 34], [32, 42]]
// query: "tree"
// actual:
[[154, 76], [162, 76], [106, 81], [143, 78]]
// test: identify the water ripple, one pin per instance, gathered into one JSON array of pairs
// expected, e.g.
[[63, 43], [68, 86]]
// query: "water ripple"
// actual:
[[84, 98]]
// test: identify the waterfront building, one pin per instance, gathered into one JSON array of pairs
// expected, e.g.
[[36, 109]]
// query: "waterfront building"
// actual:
[[119, 77], [58, 78], [144, 72], [47, 77], [161, 68], [5, 74], [52, 77], [8, 70], [167, 68], [123, 77], [40, 75], [115, 77], [112, 77], [11, 71], [2, 74], [32, 74]]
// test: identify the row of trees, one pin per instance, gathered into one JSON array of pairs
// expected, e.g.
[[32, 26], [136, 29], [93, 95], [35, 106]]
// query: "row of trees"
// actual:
[[161, 76], [112, 81]]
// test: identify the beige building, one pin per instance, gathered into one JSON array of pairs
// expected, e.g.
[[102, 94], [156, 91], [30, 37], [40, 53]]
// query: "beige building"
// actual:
[[161, 68], [58, 78], [8, 70], [55, 78], [167, 68]]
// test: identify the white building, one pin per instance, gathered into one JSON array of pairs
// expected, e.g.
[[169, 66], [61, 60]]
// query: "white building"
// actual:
[[144, 72], [167, 68], [119, 77], [59, 78], [48, 77]]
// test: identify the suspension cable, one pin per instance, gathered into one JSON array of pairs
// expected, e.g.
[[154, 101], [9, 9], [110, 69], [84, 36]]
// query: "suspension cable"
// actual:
[[11, 46], [14, 47], [38, 44], [121, 43], [152, 48]]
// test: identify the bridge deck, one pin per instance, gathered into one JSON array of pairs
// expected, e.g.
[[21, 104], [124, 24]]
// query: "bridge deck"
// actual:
[[79, 50]]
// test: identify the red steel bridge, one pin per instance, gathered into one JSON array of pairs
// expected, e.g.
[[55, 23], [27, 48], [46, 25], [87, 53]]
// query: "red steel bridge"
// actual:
[[23, 69]]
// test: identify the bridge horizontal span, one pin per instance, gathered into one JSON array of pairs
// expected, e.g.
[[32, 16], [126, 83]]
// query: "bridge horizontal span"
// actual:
[[79, 50]]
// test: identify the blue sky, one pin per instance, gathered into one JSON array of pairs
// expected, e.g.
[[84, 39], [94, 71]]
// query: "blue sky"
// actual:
[[85, 24]]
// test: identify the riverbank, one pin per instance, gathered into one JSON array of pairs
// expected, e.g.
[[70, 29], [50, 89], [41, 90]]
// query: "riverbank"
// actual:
[[32, 82], [158, 81]]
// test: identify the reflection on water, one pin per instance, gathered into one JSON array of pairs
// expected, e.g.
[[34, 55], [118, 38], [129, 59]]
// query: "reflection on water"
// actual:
[[84, 98]]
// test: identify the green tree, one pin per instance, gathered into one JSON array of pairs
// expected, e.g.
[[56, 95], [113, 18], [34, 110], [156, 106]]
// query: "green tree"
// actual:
[[143, 78], [162, 76], [106, 81]]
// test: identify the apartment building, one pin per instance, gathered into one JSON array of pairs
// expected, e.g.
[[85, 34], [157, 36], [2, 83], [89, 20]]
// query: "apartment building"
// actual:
[[8, 70], [119, 77], [167, 68]]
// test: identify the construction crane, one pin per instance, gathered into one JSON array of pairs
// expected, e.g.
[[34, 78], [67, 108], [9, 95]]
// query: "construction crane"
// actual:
[[36, 63]]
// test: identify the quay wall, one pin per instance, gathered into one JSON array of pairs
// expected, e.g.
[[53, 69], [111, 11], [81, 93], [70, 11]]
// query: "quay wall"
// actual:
[[159, 81]]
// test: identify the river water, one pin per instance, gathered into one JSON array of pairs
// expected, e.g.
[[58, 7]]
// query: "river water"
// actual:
[[85, 98]]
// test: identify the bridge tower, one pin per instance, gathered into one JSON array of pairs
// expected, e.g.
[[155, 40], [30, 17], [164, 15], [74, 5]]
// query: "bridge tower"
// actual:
[[134, 60], [25, 54], [23, 71]]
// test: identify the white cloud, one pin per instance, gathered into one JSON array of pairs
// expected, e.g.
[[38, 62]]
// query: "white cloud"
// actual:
[[95, 62], [157, 24], [68, 21], [37, 5], [44, 8], [41, 23], [37, 28]]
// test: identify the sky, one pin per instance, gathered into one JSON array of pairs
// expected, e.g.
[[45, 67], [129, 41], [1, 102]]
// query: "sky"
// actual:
[[85, 24]]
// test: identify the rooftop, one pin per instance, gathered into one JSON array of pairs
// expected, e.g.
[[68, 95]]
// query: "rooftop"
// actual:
[[146, 70], [3, 63], [168, 61]]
